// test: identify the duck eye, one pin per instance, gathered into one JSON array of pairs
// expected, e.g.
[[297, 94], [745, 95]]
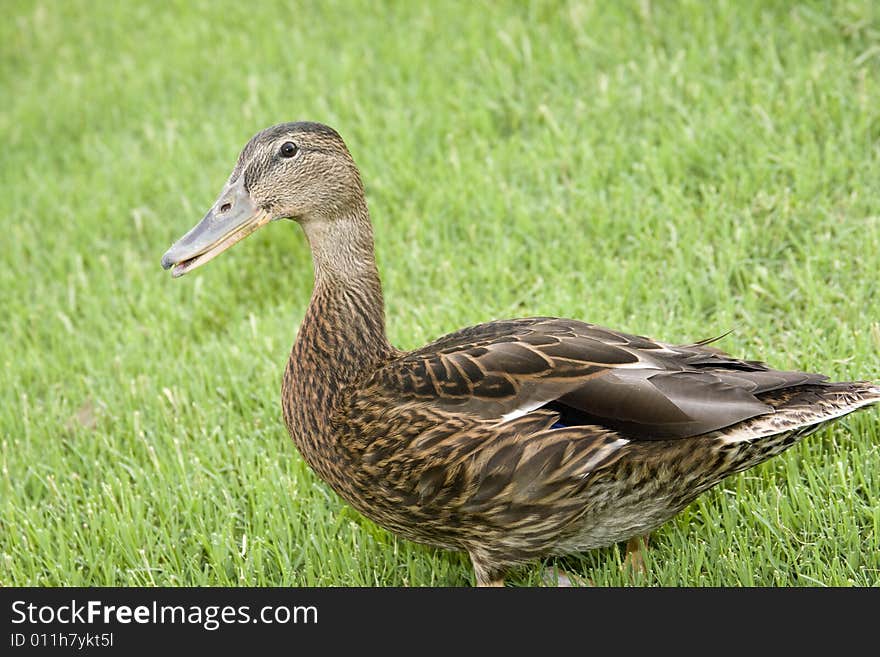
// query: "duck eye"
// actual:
[[288, 149]]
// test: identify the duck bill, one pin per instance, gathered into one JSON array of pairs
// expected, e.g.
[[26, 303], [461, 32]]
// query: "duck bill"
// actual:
[[232, 218]]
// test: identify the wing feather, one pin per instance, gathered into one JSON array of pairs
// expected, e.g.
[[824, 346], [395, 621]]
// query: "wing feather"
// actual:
[[647, 389]]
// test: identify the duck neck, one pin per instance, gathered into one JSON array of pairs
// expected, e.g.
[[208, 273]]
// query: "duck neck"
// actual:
[[342, 336]]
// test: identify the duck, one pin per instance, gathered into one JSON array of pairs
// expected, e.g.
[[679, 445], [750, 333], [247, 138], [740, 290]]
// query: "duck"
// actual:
[[514, 440]]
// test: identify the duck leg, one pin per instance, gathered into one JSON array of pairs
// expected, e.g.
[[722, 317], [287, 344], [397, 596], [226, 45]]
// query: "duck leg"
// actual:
[[634, 558], [487, 575]]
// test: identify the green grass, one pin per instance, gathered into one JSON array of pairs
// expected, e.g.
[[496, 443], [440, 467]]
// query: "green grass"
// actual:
[[670, 169]]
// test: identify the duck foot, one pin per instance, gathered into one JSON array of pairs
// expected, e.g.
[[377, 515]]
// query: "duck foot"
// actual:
[[634, 554], [552, 576]]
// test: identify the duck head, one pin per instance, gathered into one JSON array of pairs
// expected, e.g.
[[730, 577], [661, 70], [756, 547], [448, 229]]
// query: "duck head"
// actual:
[[300, 171]]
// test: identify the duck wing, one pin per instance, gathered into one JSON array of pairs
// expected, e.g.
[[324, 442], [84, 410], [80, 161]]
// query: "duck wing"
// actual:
[[588, 375]]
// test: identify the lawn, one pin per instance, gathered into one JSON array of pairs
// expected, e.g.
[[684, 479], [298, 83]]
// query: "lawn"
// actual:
[[670, 169]]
